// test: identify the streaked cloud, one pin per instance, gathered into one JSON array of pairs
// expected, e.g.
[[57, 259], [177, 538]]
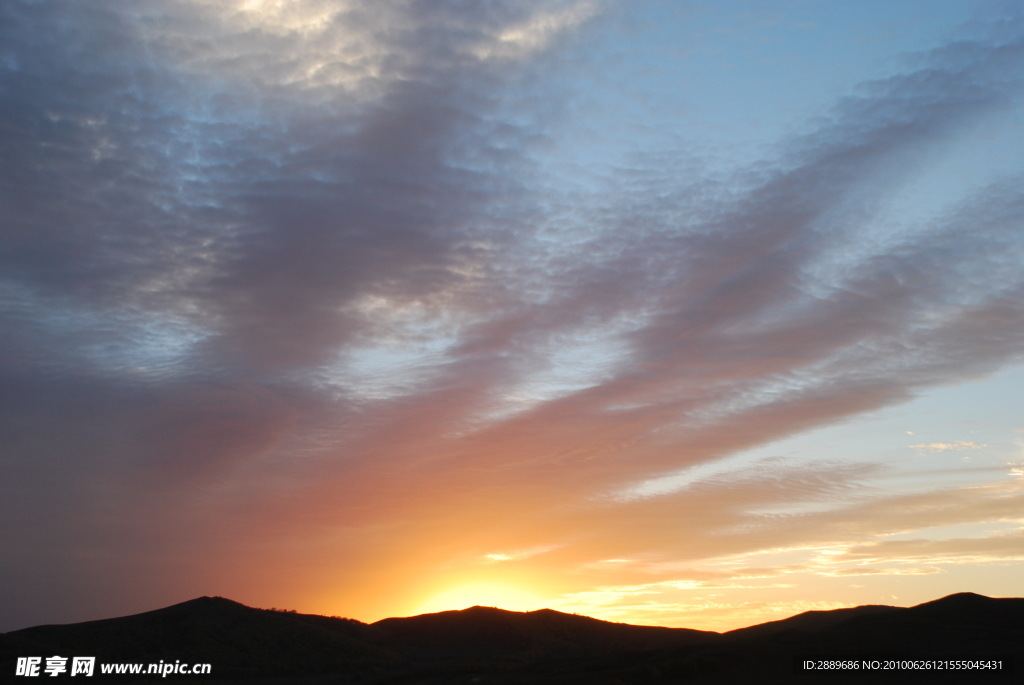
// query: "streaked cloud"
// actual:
[[958, 446]]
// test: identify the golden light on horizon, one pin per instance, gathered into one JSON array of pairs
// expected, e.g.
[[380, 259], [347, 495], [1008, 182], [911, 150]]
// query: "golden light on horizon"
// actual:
[[491, 594]]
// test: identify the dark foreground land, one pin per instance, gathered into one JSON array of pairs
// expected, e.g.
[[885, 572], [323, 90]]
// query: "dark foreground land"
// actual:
[[487, 646]]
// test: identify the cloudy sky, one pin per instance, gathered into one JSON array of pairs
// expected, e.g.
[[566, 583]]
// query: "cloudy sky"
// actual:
[[687, 313]]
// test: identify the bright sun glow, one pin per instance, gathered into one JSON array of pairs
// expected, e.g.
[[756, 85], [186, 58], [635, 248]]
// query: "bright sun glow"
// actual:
[[482, 594]]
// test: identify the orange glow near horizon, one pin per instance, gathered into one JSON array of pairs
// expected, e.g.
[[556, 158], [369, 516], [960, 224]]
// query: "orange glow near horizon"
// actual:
[[500, 595]]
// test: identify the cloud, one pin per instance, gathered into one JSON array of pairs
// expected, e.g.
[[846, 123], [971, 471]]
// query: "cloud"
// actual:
[[958, 446], [990, 549], [285, 275], [536, 32], [495, 557], [872, 571]]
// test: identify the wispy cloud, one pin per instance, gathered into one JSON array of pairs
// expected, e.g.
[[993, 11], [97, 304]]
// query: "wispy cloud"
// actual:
[[958, 446]]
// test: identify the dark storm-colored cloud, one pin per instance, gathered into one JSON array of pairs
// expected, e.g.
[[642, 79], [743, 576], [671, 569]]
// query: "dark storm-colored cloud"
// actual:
[[210, 214]]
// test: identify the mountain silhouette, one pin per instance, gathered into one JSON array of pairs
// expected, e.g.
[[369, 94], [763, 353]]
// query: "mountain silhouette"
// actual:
[[486, 630], [809, 621], [237, 640], [484, 645]]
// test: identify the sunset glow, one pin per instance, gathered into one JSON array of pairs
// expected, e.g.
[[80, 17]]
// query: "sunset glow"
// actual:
[[696, 314], [482, 594]]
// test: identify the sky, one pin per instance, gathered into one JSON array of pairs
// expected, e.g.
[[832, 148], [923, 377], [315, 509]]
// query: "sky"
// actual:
[[691, 313]]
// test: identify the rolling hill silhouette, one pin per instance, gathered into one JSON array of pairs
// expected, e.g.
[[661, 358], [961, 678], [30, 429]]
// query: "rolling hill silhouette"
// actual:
[[492, 646]]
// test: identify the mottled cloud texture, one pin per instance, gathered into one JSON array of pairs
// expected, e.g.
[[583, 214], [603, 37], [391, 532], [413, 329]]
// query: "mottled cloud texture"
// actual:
[[290, 308]]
